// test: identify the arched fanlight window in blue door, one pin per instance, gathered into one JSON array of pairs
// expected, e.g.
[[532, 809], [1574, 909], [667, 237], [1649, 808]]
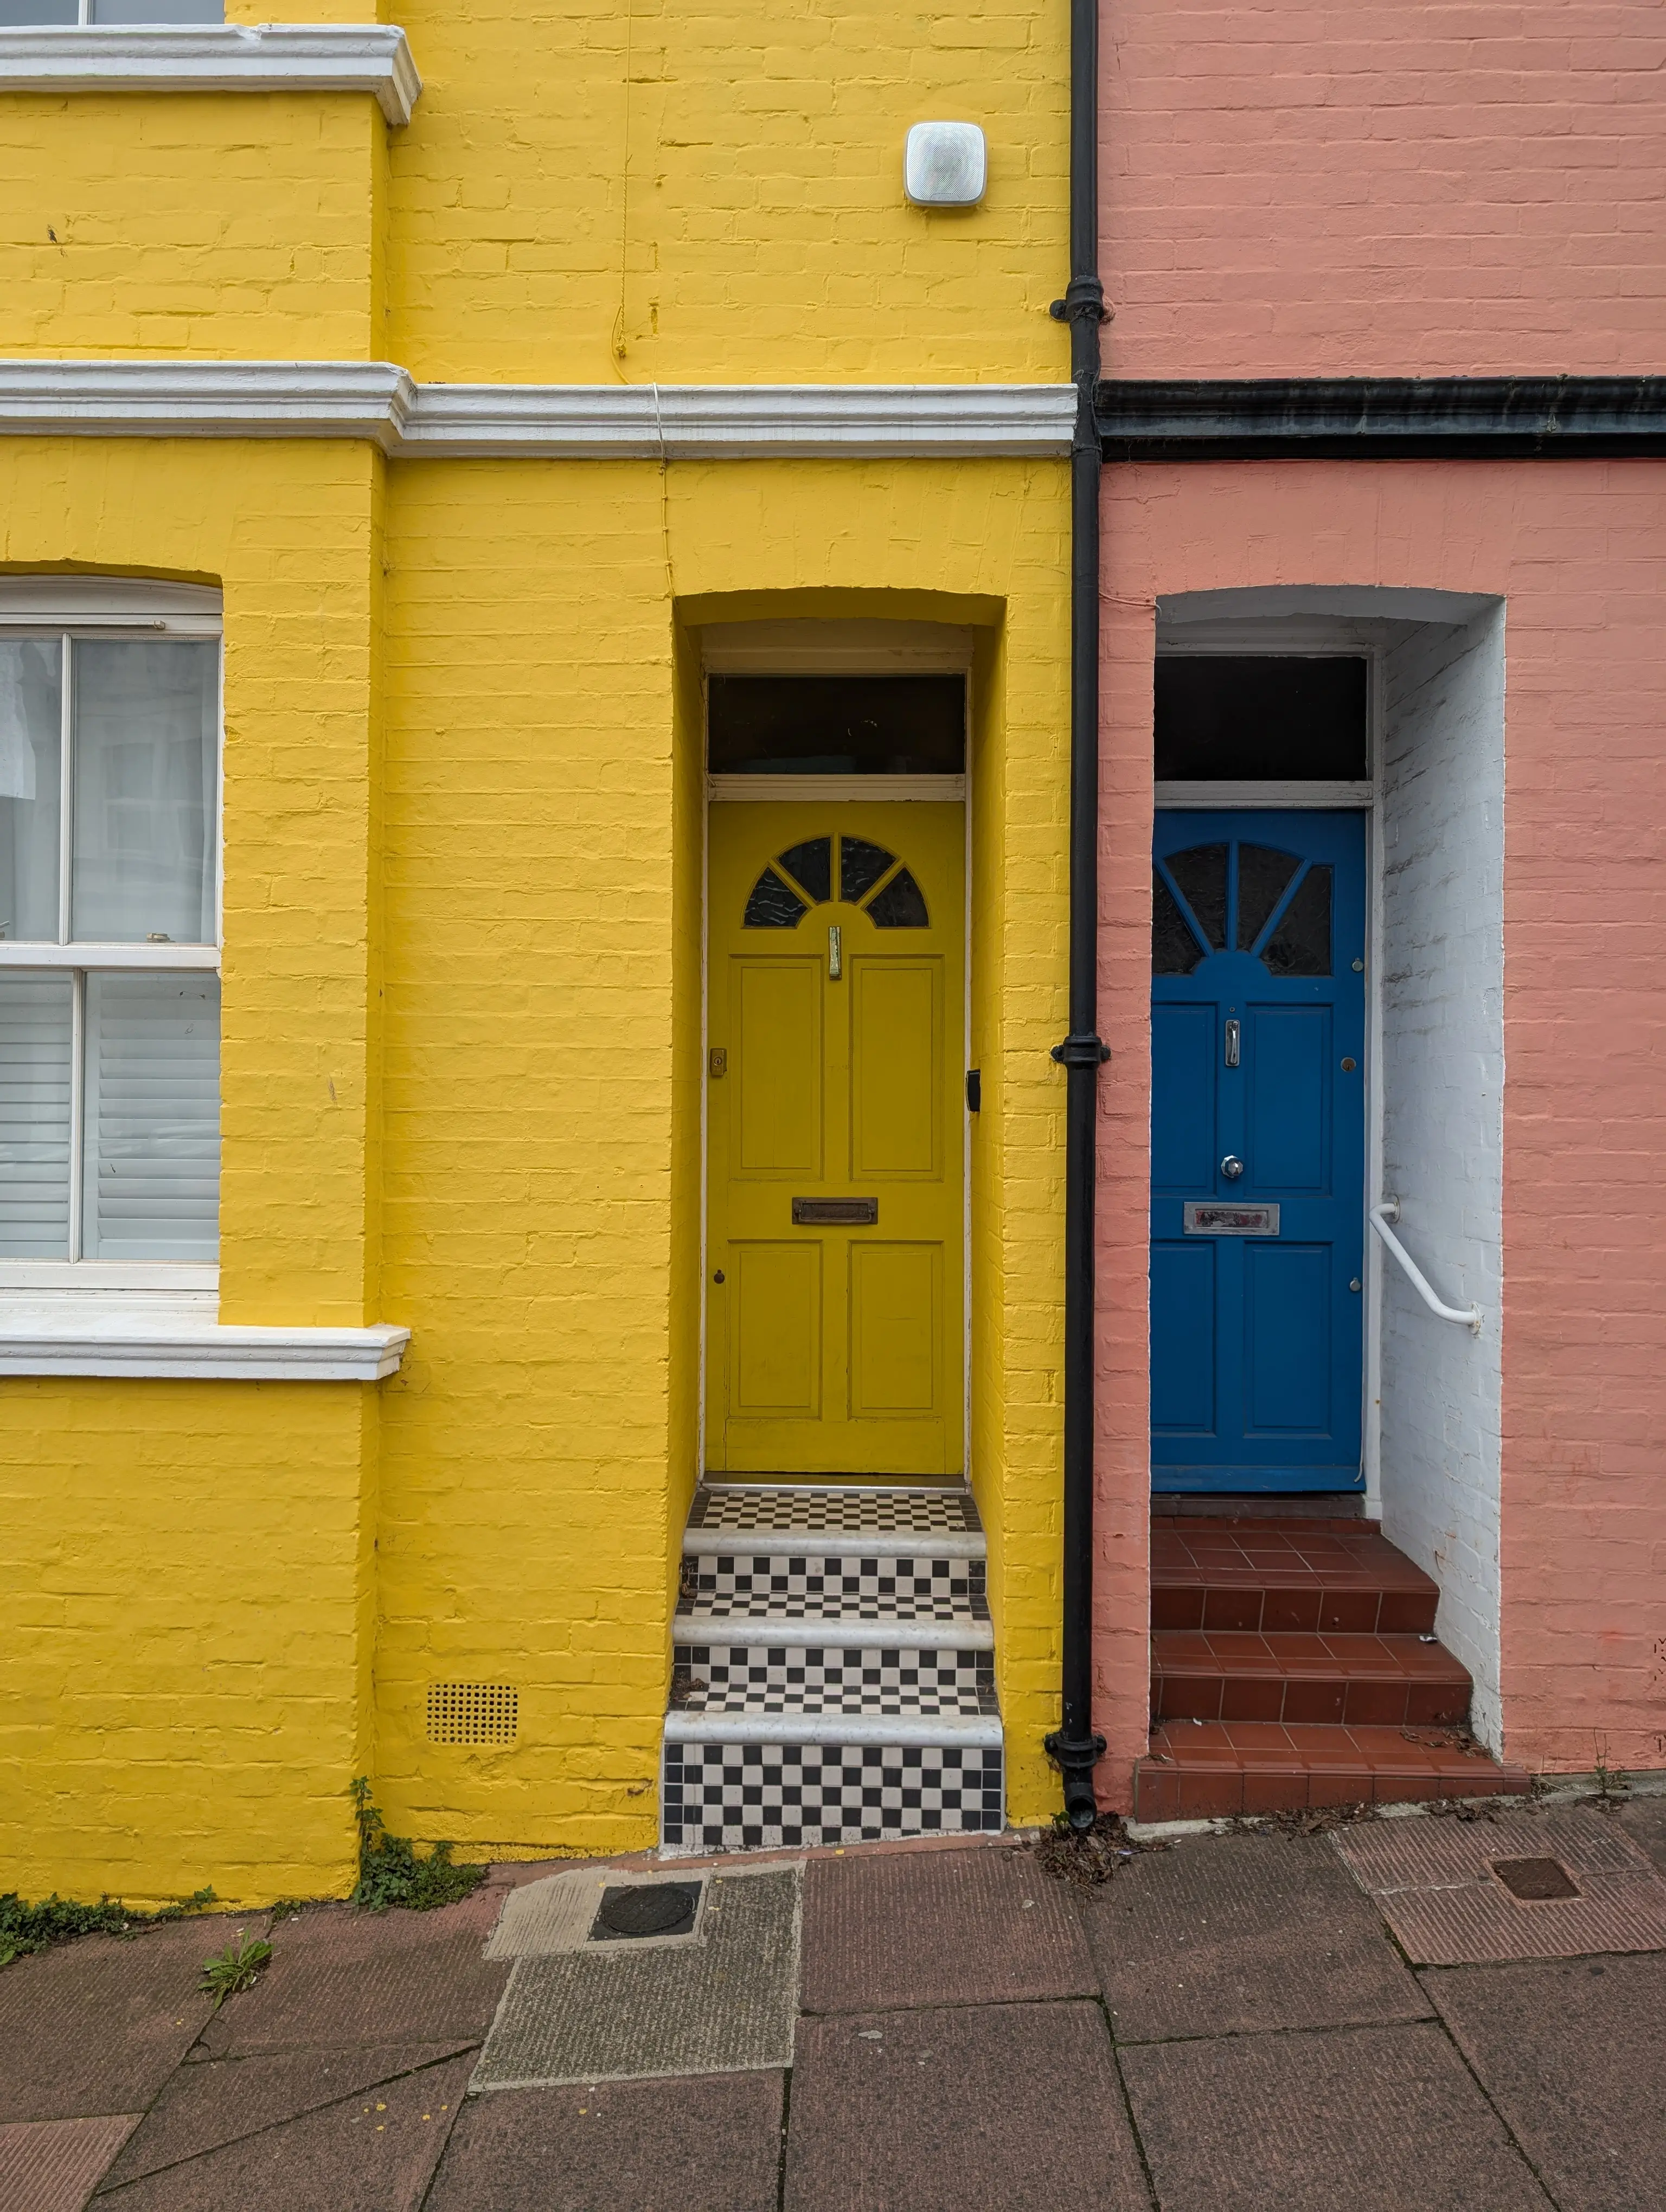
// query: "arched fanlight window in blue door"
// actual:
[[1250, 896]]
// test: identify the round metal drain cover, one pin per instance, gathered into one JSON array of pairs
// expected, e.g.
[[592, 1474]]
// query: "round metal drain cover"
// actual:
[[663, 1909]]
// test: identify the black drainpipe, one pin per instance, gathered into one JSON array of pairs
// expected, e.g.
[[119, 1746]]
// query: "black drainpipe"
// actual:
[[1073, 1748]]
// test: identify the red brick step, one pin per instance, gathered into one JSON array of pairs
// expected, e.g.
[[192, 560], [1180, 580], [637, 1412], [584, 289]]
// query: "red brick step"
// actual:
[[1265, 1577], [1220, 1768], [1289, 1671], [1371, 1681]]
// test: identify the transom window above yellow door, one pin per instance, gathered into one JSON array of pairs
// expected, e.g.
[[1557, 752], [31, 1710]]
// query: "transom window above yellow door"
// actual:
[[867, 877]]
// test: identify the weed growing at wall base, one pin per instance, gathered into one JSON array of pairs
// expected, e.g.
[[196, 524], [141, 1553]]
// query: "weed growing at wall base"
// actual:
[[237, 1968], [390, 1872], [26, 1928]]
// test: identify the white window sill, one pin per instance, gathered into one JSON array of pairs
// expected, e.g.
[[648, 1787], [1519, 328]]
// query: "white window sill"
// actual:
[[215, 57], [19, 953], [174, 1333]]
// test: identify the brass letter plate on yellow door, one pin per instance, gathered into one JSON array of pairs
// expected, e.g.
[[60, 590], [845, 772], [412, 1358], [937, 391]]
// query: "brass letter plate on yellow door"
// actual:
[[831, 1213]]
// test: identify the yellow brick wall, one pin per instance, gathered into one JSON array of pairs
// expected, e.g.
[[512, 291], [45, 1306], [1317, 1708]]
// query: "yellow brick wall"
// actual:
[[1021, 877], [183, 1572], [464, 814], [532, 780], [225, 226], [542, 1076], [191, 1562], [632, 191], [714, 194]]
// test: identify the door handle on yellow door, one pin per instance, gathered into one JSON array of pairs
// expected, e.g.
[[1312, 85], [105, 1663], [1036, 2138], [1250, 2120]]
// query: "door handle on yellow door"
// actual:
[[835, 953]]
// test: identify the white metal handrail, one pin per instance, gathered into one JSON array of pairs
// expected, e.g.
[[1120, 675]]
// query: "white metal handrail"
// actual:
[[1380, 1218]]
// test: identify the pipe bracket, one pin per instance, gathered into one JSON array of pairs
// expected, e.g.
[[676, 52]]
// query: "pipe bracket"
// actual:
[[1080, 1051]]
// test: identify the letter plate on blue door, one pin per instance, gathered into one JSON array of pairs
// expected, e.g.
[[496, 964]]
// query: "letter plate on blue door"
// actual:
[[1203, 1216]]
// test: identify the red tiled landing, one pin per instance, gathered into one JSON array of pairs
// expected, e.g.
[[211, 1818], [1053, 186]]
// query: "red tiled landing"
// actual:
[[1209, 1771], [1367, 1680], [1314, 1578]]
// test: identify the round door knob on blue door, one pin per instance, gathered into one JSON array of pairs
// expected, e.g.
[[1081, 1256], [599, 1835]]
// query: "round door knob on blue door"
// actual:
[[1231, 1167]]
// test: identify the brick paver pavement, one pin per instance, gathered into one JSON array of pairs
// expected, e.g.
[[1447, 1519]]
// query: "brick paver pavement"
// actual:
[[1226, 2026]]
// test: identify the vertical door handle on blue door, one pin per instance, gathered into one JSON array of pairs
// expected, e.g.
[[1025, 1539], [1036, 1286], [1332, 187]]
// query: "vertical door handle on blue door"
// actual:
[[1232, 1044]]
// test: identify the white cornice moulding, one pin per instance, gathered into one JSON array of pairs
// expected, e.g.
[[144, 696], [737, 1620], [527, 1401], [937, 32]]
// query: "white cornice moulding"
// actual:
[[378, 401], [215, 57], [740, 422], [206, 400], [181, 1348]]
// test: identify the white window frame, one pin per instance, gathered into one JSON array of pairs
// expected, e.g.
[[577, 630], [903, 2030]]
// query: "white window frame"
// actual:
[[85, 20], [101, 608]]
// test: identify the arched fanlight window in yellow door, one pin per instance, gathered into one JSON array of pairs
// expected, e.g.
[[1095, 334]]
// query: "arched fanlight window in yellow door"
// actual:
[[869, 877]]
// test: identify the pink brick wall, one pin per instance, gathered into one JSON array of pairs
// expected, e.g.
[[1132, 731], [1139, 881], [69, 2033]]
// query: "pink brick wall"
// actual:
[[1577, 550], [1404, 188]]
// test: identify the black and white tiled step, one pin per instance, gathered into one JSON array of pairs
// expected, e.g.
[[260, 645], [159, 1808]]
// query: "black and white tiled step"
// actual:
[[830, 1586], [758, 1678], [834, 1672], [727, 1515]]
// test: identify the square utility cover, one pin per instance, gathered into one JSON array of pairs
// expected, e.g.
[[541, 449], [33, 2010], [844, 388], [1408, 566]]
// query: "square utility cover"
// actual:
[[722, 2001], [1516, 1886]]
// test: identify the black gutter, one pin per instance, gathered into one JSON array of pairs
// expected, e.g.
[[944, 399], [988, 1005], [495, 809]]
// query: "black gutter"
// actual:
[[1073, 1748], [1384, 418]]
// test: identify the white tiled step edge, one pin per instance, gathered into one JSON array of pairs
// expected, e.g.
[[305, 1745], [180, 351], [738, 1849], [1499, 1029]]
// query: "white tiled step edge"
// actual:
[[962, 1633], [835, 1543], [968, 1731], [858, 1502]]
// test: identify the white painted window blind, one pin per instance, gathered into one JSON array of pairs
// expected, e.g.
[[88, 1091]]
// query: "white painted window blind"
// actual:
[[36, 1115], [109, 1074], [151, 1143]]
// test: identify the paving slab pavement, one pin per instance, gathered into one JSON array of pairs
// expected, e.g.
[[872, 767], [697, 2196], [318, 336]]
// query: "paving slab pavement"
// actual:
[[207, 2105], [1239, 1933], [1356, 2119], [958, 2106], [1227, 2024], [97, 2027], [372, 2152], [51, 2166], [939, 1928], [1645, 1822], [695, 2145], [1573, 2054], [340, 1978]]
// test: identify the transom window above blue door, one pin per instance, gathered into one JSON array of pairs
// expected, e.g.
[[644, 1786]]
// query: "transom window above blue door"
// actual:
[[1249, 897], [869, 877]]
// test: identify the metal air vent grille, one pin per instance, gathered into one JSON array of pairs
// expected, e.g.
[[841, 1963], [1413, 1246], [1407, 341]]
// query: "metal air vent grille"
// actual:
[[473, 1712]]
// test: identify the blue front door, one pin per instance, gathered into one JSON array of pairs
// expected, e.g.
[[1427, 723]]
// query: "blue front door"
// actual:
[[1258, 1144]]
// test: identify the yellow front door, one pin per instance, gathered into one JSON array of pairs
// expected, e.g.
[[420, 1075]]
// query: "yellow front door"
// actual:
[[834, 1278]]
